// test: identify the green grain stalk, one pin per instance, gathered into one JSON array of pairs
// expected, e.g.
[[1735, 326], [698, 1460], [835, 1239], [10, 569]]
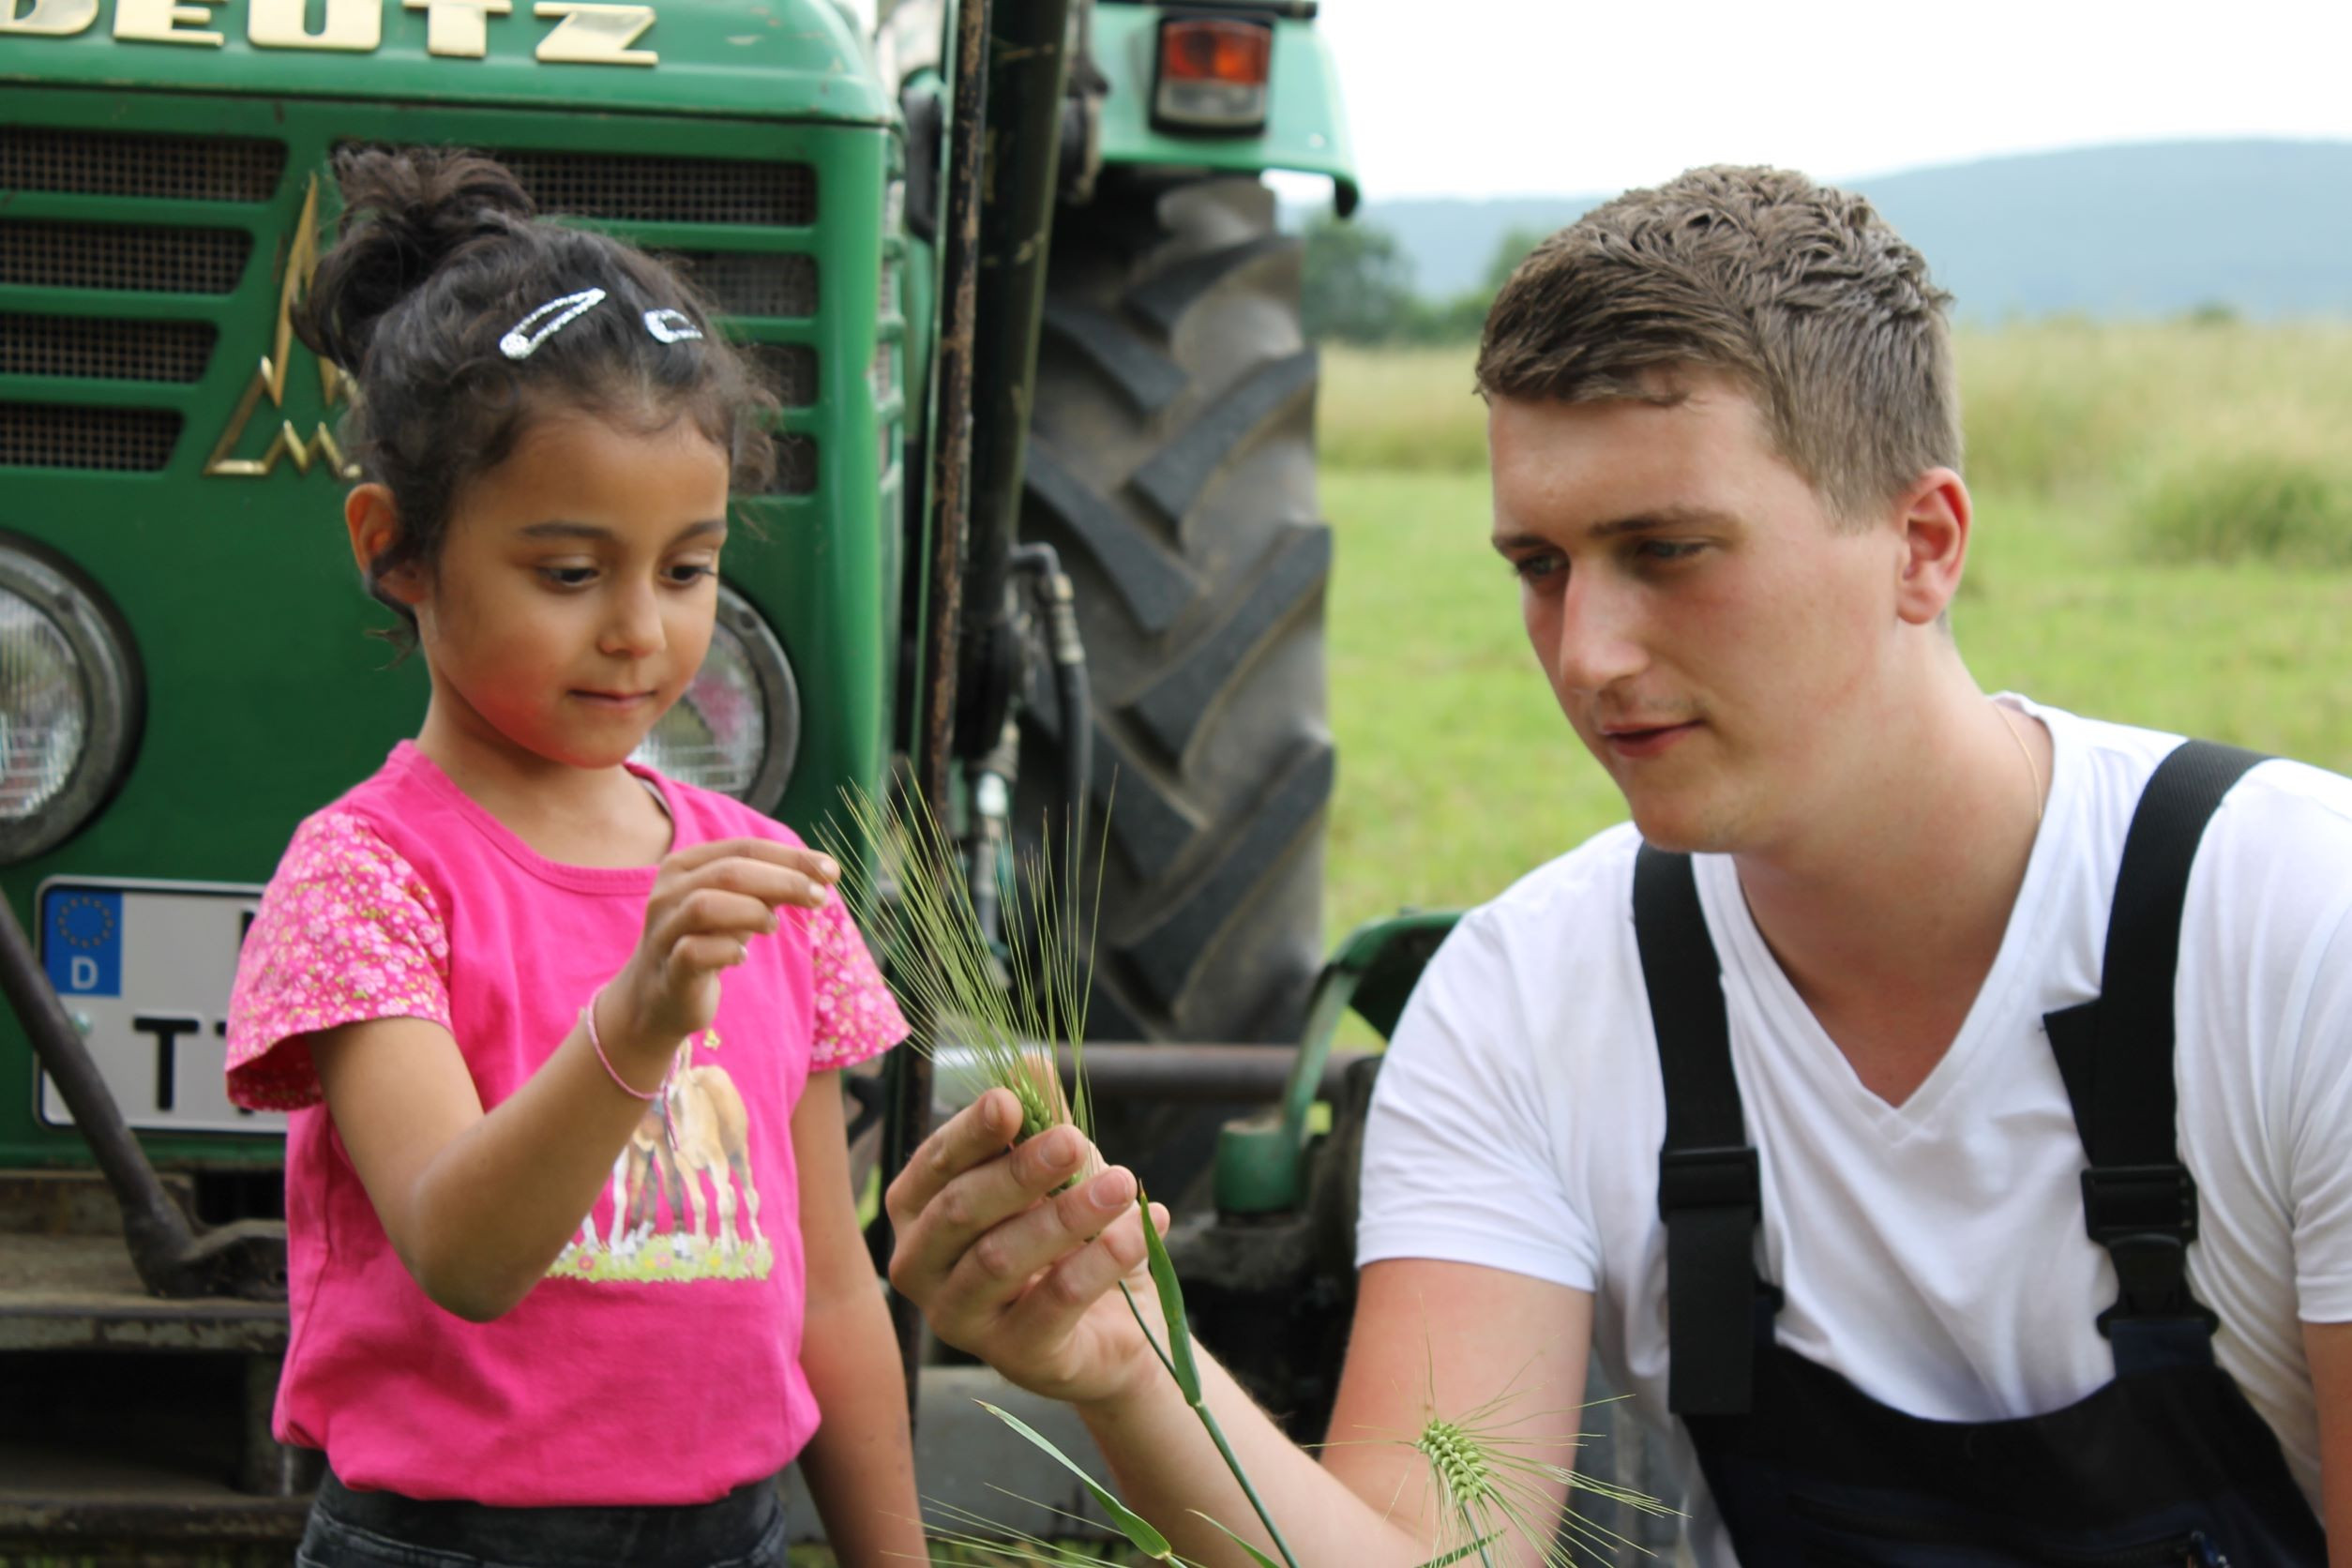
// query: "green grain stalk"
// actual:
[[909, 890], [976, 1537], [1178, 1359]]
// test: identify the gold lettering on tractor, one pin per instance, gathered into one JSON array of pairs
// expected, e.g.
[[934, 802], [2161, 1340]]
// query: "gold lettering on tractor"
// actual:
[[595, 35], [354, 25], [302, 261], [166, 22], [48, 19], [459, 29]]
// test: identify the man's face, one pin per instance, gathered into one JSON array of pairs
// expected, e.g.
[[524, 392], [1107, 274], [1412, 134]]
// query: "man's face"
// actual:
[[1720, 642]]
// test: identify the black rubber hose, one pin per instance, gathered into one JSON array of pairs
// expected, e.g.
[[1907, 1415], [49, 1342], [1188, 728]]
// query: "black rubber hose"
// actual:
[[1057, 602]]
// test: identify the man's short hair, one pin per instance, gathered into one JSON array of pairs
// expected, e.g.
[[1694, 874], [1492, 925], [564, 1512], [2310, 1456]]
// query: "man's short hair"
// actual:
[[1801, 294]]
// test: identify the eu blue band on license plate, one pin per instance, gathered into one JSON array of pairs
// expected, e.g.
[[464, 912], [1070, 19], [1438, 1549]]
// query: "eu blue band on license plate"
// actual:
[[82, 946], [144, 970]]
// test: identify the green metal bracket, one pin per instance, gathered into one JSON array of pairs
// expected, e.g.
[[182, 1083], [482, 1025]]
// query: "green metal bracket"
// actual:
[[1261, 1160]]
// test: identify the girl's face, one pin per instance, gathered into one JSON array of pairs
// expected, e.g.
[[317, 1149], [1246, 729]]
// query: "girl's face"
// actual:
[[576, 589]]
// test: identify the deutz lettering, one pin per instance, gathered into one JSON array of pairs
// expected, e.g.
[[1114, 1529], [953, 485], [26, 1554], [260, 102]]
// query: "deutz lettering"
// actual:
[[582, 34]]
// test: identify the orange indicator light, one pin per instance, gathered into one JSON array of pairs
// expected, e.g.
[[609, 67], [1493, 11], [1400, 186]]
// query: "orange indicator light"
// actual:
[[1213, 76], [1238, 53]]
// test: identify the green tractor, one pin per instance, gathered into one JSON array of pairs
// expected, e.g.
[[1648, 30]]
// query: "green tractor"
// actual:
[[1044, 530]]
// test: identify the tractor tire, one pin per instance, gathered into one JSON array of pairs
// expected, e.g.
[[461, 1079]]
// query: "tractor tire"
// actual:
[[1172, 467]]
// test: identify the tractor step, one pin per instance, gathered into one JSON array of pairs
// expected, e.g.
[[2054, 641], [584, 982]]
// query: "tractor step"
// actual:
[[74, 1506], [72, 1202], [80, 1292]]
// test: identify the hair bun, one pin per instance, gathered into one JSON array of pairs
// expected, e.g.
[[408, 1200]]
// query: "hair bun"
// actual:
[[407, 211]]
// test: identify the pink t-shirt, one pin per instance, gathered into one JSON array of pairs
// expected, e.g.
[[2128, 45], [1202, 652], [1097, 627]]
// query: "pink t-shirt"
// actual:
[[659, 1360]]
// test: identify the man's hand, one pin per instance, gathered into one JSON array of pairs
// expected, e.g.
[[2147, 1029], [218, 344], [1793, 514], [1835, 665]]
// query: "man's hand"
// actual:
[[1014, 1272]]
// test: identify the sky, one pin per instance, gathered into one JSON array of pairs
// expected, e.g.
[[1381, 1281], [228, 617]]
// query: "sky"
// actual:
[[1536, 97]]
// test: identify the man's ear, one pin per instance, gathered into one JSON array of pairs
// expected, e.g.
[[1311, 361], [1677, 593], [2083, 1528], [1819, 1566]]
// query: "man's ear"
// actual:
[[374, 524], [1937, 516]]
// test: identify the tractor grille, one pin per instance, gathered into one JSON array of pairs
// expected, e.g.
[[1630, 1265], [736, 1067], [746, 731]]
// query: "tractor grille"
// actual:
[[123, 256], [669, 190], [791, 371], [753, 282], [104, 350], [170, 168], [795, 466], [121, 439], [120, 249]]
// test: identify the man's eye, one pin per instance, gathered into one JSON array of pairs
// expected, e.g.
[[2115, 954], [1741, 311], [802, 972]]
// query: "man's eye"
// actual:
[[1534, 568], [1668, 549]]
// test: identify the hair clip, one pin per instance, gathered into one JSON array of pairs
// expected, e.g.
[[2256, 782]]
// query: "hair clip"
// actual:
[[672, 326], [520, 341]]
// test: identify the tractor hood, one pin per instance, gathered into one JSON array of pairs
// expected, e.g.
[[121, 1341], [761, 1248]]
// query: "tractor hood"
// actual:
[[776, 59]]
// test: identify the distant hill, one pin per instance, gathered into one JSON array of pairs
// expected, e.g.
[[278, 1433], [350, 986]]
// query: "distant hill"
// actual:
[[2262, 228]]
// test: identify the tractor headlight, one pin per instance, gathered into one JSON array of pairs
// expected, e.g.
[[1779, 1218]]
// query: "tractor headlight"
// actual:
[[737, 728], [70, 700]]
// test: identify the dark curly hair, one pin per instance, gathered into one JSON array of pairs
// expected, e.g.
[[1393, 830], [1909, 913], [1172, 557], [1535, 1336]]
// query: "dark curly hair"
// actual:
[[438, 255], [1802, 294]]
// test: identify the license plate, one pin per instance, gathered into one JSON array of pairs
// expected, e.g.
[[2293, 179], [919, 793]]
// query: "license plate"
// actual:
[[144, 970]]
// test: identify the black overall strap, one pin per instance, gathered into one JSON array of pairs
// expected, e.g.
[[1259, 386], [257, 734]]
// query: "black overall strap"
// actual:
[[2116, 1054], [1709, 1192]]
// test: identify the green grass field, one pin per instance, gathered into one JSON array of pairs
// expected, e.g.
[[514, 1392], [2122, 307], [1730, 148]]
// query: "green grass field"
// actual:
[[2165, 525]]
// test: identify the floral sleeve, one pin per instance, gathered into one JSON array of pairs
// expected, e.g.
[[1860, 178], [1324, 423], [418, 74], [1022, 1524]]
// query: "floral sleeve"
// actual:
[[857, 1017], [347, 931]]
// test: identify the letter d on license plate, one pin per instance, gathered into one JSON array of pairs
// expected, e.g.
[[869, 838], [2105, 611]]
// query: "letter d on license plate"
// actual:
[[144, 970]]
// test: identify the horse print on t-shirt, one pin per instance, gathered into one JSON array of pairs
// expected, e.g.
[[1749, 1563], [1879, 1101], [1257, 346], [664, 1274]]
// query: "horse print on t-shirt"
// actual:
[[661, 1226]]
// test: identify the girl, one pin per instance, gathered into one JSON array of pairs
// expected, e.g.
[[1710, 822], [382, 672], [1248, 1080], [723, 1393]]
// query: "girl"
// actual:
[[574, 1262]]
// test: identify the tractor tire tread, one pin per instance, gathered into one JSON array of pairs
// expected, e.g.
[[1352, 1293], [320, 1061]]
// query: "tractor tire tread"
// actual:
[[1173, 468]]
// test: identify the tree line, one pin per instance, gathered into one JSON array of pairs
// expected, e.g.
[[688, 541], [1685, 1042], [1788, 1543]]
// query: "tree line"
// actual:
[[1359, 287]]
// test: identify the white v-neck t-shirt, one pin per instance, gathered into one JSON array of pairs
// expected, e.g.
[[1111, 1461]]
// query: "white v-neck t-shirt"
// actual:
[[1933, 1253]]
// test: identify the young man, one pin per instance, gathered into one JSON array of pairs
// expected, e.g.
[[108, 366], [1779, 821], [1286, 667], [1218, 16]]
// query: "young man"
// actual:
[[1726, 448]]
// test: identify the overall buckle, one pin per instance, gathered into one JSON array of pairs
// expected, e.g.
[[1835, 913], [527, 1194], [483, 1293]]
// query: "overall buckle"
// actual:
[[2145, 1215], [2122, 1201], [1718, 1178], [2152, 1277]]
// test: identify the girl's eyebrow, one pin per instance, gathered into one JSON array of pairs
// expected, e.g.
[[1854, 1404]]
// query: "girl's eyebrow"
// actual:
[[561, 529]]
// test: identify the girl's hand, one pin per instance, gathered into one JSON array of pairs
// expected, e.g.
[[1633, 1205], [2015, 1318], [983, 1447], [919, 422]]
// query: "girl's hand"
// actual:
[[707, 904], [1018, 1274]]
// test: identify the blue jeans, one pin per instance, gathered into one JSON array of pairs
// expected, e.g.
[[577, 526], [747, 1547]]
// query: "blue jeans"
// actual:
[[382, 1529]]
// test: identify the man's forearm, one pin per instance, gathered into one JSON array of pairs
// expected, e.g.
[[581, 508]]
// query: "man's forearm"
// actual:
[[1165, 1466]]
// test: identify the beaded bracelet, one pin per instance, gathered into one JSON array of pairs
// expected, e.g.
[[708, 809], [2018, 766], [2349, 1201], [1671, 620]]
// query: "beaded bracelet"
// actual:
[[588, 1017]]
